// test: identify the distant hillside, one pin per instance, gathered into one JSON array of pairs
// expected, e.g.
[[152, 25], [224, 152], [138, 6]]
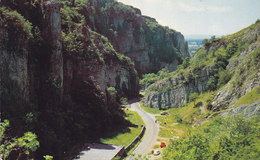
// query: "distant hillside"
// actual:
[[225, 65]]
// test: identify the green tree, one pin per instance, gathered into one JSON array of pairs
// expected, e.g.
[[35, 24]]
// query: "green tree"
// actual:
[[22, 146], [212, 38], [205, 41], [212, 83], [186, 62]]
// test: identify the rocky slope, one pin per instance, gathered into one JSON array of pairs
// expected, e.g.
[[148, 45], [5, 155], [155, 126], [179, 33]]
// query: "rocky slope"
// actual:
[[228, 66], [150, 45], [174, 91]]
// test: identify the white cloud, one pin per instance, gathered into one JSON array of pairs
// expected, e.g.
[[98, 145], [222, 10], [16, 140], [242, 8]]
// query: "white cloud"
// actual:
[[202, 8]]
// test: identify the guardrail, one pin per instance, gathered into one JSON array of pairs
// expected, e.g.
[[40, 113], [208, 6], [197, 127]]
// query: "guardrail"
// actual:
[[137, 138]]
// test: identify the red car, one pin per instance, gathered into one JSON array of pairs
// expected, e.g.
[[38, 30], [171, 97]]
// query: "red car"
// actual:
[[162, 145]]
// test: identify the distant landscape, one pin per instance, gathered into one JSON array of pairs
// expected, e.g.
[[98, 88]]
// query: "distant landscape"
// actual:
[[194, 45]]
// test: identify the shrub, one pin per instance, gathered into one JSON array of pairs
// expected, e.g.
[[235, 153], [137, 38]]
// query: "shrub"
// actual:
[[231, 138], [15, 22], [231, 49], [193, 96], [24, 145], [112, 91], [212, 83], [123, 101], [72, 42]]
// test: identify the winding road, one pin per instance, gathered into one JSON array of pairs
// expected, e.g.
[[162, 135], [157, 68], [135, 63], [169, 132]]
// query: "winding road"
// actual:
[[151, 133]]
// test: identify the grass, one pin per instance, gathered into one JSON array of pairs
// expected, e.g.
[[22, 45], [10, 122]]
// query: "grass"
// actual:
[[126, 138], [150, 110], [180, 120], [249, 98]]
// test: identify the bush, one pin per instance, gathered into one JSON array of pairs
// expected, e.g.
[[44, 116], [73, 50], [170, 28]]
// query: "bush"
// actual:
[[231, 49], [123, 101], [231, 138], [15, 22], [193, 96], [212, 83], [112, 91], [22, 146]]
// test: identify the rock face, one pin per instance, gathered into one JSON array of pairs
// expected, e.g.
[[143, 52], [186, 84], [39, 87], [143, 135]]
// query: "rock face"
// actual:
[[248, 111], [109, 72], [150, 45], [174, 91], [58, 73], [243, 69], [246, 73]]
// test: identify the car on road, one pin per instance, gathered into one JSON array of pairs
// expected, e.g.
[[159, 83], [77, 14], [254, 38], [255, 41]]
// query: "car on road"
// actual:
[[162, 144], [156, 153]]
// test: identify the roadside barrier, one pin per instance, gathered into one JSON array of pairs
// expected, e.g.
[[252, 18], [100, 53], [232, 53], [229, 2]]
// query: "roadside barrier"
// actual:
[[137, 139]]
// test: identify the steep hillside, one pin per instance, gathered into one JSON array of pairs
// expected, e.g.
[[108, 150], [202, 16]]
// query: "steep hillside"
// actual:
[[211, 102], [229, 66], [150, 45], [55, 74]]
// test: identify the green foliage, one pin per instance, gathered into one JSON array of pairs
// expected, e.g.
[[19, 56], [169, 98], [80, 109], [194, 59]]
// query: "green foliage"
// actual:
[[230, 138], [112, 91], [14, 21], [123, 101], [72, 42], [231, 49], [205, 41], [193, 96], [212, 83], [148, 79], [186, 62], [118, 7], [200, 59], [21, 146], [47, 157]]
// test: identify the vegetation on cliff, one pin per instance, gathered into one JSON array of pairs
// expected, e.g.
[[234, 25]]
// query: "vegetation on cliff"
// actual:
[[232, 87]]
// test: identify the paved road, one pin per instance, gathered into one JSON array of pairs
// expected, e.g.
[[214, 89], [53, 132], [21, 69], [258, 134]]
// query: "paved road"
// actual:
[[151, 133], [98, 151]]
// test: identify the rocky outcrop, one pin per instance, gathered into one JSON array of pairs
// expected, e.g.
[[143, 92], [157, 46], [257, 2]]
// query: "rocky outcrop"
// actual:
[[150, 45], [175, 91], [111, 71], [243, 69], [248, 111], [246, 72]]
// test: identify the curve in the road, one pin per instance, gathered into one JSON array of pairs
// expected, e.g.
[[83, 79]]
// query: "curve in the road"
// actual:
[[151, 134]]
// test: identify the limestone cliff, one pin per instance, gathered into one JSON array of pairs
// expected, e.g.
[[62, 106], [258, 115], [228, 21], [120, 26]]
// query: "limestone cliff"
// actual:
[[54, 75], [150, 45], [228, 66], [174, 91]]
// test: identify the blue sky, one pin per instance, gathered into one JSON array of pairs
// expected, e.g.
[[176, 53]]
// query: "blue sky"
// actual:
[[206, 17]]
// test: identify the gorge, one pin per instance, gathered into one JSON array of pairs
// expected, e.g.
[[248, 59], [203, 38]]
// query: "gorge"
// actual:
[[66, 66]]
